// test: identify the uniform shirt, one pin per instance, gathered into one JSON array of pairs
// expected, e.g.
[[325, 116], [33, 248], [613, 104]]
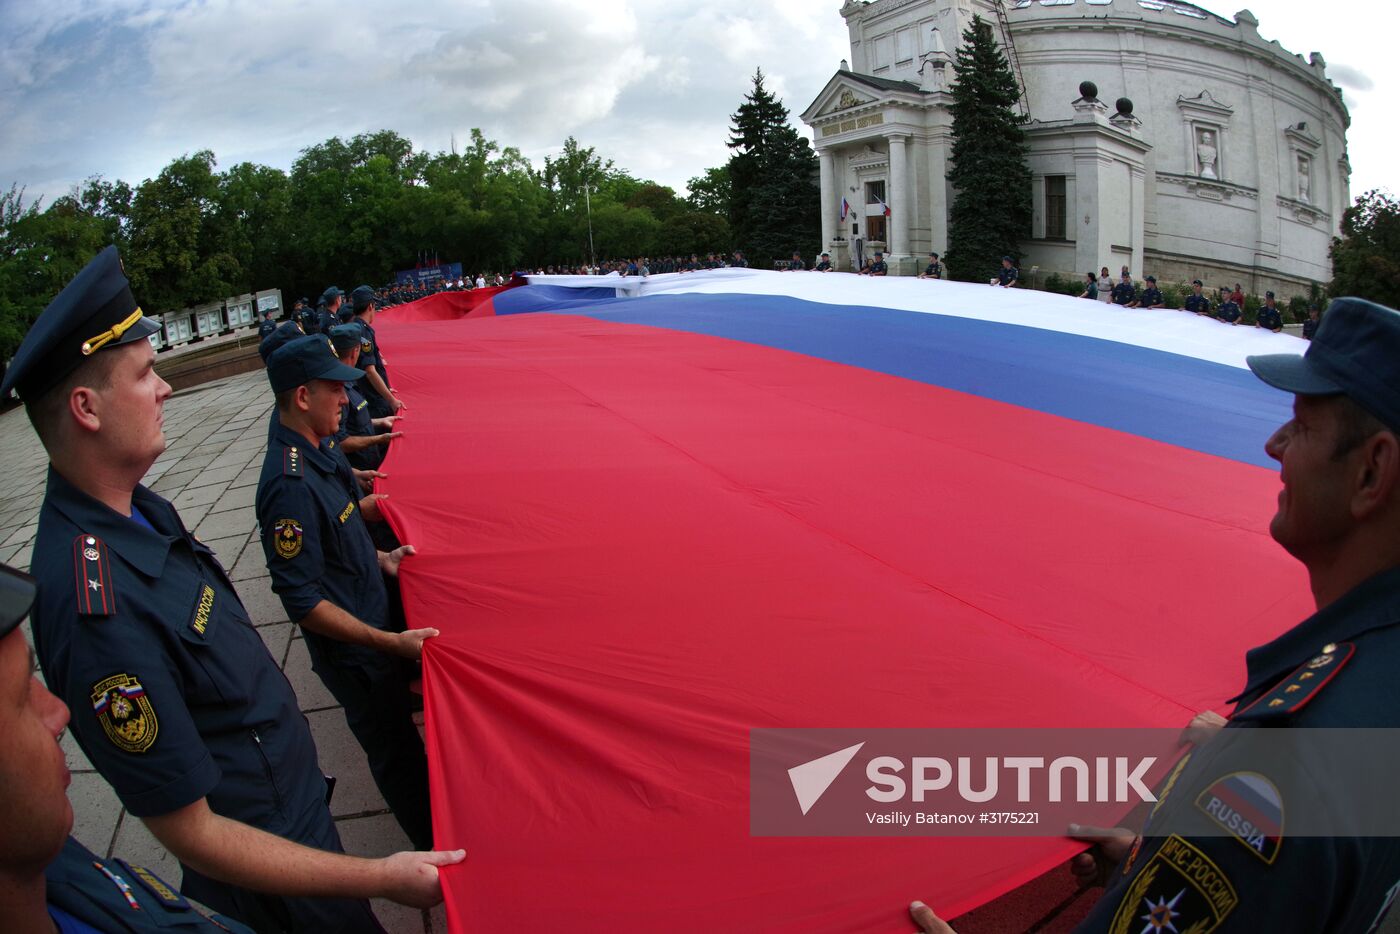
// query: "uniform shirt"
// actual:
[[355, 421], [878, 268], [1229, 311], [1270, 318], [1265, 880], [1123, 293], [174, 695], [266, 327], [823, 266], [1198, 303], [325, 319], [1150, 297], [85, 893], [1007, 276], [1310, 328], [796, 264], [315, 540], [370, 357], [934, 270], [310, 321]]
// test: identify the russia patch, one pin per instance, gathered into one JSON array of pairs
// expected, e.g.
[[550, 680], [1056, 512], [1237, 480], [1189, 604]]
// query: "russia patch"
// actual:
[[1250, 807]]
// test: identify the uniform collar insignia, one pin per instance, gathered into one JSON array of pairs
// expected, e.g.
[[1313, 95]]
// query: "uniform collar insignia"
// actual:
[[134, 543]]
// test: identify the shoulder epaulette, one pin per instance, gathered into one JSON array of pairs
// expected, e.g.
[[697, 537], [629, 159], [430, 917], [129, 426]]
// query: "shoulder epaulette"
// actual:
[[1295, 692], [97, 596], [291, 462]]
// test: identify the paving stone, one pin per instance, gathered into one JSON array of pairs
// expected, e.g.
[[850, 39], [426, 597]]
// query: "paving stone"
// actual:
[[197, 460], [342, 757], [172, 483], [263, 606], [21, 535], [7, 554], [241, 498], [251, 564], [277, 637], [226, 549], [248, 478], [136, 844], [96, 809], [214, 473], [311, 693], [232, 524], [193, 515], [202, 496]]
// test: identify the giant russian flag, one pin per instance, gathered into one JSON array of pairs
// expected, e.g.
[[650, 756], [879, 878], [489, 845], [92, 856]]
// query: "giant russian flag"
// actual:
[[653, 515]]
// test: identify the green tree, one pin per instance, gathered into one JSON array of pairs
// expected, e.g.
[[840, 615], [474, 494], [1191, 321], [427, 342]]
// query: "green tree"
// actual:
[[1366, 257], [774, 187], [991, 209], [710, 192]]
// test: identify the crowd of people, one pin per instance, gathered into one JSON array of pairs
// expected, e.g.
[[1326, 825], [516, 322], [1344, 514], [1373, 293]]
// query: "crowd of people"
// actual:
[[1228, 306], [181, 708]]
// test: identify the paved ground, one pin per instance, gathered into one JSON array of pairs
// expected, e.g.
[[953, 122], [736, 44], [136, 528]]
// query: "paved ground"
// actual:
[[216, 436]]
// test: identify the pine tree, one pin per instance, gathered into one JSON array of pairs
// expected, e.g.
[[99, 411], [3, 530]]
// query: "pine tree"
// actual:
[[774, 189], [991, 210]]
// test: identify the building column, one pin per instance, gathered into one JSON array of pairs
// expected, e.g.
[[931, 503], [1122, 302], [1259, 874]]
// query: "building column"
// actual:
[[899, 202], [830, 206]]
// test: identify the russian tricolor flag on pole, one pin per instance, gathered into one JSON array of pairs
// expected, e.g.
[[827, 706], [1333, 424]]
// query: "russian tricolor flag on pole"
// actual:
[[654, 515]]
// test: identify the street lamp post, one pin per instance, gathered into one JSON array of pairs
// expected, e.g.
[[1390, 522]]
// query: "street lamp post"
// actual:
[[588, 206]]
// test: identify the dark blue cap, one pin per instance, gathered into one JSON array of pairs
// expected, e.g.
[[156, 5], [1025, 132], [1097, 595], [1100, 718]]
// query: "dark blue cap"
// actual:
[[95, 311], [361, 298], [1151, 278], [305, 359], [345, 336], [330, 295], [16, 597], [1354, 352], [286, 332]]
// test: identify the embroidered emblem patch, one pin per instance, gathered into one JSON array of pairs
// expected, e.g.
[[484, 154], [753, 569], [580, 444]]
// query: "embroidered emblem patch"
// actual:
[[286, 538], [366, 346], [1250, 807], [202, 609], [1179, 889], [125, 712], [347, 512]]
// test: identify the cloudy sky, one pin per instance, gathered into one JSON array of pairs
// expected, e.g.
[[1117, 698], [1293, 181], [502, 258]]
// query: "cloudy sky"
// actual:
[[120, 87]]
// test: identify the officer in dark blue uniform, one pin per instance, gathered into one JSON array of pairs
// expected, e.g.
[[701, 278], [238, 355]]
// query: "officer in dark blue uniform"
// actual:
[[363, 440], [50, 881], [1229, 855], [267, 325], [328, 311], [1151, 296], [1310, 325], [1196, 301], [327, 571], [374, 385], [184, 711], [824, 264], [877, 267], [1227, 310], [934, 269], [1123, 293], [1270, 318], [796, 264], [307, 317], [1008, 276]]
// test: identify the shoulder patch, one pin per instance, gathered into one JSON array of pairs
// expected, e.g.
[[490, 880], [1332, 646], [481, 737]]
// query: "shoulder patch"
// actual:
[[93, 577], [286, 538], [125, 712], [291, 462], [155, 885], [1295, 692], [1250, 807], [1178, 889]]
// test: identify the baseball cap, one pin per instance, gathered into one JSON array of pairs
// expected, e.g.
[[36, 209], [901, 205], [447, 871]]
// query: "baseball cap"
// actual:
[[305, 359]]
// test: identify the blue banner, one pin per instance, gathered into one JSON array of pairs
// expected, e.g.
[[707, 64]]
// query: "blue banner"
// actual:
[[426, 274]]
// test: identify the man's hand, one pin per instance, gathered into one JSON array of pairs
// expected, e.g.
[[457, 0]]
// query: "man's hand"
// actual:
[[1202, 728], [928, 922], [389, 561], [387, 437], [396, 402], [1111, 844], [412, 878], [369, 508], [384, 424], [409, 643], [366, 478]]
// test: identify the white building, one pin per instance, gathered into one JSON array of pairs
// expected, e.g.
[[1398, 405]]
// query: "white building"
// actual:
[[1223, 158]]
